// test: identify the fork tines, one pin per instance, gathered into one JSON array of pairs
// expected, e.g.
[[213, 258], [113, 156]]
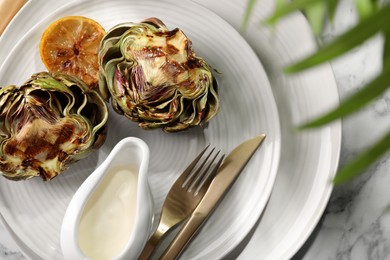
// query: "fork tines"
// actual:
[[202, 171]]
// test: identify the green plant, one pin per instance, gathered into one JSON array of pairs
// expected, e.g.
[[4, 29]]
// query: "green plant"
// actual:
[[374, 18]]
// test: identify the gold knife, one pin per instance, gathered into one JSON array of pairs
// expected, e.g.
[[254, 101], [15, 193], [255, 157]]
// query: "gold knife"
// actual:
[[225, 177]]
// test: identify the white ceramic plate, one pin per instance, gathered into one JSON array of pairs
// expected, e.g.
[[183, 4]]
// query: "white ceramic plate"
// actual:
[[33, 210]]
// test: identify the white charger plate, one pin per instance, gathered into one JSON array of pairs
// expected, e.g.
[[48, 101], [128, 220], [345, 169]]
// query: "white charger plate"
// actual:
[[308, 159], [33, 210]]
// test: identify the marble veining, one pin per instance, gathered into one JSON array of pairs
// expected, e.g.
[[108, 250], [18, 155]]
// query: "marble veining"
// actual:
[[356, 224], [8, 254], [8, 249]]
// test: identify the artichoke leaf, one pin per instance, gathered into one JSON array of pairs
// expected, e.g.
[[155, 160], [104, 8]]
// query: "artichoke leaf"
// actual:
[[53, 121], [8, 99], [153, 76]]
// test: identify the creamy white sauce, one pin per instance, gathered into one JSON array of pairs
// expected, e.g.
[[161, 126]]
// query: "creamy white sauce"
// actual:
[[107, 219]]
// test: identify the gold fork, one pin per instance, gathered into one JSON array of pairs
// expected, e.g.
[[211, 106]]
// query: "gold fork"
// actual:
[[183, 197]]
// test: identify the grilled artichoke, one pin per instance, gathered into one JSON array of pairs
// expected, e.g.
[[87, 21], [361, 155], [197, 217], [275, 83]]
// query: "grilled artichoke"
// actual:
[[154, 77], [47, 123]]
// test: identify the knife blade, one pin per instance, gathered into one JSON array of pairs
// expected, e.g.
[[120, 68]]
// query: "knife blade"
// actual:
[[224, 179]]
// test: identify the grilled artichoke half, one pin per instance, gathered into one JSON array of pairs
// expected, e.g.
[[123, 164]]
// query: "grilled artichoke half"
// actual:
[[154, 77], [46, 124]]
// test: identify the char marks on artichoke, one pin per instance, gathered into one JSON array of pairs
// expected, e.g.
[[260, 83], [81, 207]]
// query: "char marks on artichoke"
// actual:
[[154, 77], [46, 124]]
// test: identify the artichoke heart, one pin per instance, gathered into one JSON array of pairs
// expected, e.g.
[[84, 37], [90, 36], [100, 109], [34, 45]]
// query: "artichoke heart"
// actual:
[[46, 124], [154, 77]]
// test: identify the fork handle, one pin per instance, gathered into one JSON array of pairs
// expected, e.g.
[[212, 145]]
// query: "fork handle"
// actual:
[[151, 245], [184, 237]]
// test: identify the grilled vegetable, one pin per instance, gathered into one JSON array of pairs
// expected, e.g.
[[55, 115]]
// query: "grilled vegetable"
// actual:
[[46, 124], [154, 77]]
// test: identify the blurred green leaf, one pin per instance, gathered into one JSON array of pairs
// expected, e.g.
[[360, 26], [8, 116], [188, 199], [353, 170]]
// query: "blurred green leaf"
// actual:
[[279, 4], [363, 160], [286, 9], [365, 8], [352, 38], [354, 102], [374, 18], [249, 8], [386, 49], [315, 14], [332, 7]]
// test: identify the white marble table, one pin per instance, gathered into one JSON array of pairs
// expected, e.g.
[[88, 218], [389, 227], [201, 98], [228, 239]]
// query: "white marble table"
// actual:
[[356, 223]]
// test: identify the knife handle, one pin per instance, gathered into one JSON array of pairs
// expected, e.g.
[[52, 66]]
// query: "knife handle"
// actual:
[[183, 238]]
